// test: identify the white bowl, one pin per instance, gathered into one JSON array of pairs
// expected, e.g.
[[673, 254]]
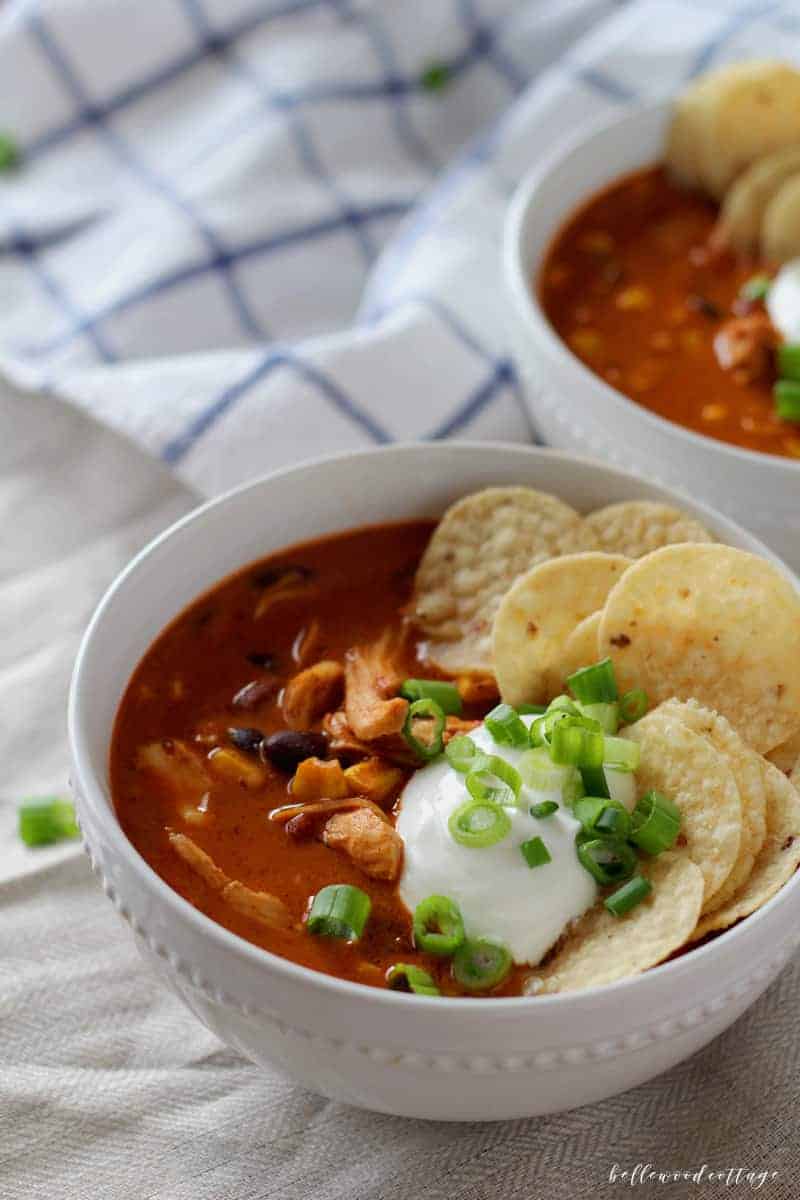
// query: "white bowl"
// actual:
[[576, 409], [419, 1057]]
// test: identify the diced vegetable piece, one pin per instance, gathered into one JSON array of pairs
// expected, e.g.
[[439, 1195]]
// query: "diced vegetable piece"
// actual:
[[446, 695], [438, 926], [535, 852], [46, 819], [423, 729], [339, 911], [479, 823], [594, 685], [480, 964], [628, 896], [405, 977]]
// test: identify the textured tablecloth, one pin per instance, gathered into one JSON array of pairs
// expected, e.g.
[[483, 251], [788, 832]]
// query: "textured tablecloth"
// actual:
[[108, 1087]]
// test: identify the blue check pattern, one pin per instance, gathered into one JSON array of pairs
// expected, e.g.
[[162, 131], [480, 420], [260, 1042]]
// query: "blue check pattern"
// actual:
[[246, 232]]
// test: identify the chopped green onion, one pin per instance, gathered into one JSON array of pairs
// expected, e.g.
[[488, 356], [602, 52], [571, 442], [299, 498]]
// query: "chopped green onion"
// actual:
[[435, 77], [46, 819], [427, 718], [608, 860], [531, 710], [573, 743], [755, 288], [9, 152], [506, 726], [339, 911], [628, 896], [606, 714], [787, 399], [563, 703], [614, 821], [480, 964], [545, 809], [461, 753], [655, 823], [537, 733], [446, 695], [478, 824], [594, 781], [438, 926], [492, 778], [405, 977], [633, 706], [588, 809], [535, 852], [539, 772], [621, 754], [789, 361], [594, 685]]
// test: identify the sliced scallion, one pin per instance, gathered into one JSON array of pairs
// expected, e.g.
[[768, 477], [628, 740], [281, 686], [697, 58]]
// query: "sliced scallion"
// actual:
[[573, 743], [539, 772], [787, 399], [608, 860], [633, 706], [621, 754], [339, 911], [446, 695], [655, 823], [594, 781], [46, 819], [545, 808], [506, 727], [531, 710], [628, 896], [606, 714], [594, 685], [438, 926], [492, 778], [480, 964], [405, 977], [789, 361], [424, 729], [478, 824], [461, 752], [535, 852], [755, 288]]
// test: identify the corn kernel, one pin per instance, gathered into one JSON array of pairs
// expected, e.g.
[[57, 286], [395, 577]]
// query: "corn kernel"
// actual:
[[714, 412], [586, 342], [634, 299]]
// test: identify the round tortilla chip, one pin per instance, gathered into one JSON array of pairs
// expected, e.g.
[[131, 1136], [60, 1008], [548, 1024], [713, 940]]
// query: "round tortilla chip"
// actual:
[[637, 527], [537, 615], [787, 756], [686, 139], [780, 232], [746, 767], [580, 648], [696, 777], [754, 109], [778, 860], [481, 545], [742, 213], [601, 948], [711, 623]]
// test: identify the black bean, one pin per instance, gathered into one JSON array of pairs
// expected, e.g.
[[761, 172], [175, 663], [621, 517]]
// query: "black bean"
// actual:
[[267, 661], [287, 749], [705, 306], [246, 738]]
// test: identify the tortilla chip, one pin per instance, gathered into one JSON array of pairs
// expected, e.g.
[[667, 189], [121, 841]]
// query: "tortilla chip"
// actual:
[[637, 527], [601, 948], [780, 233], [746, 767], [580, 648], [778, 860], [481, 545], [711, 623], [746, 200], [686, 137], [537, 615], [696, 777], [786, 756]]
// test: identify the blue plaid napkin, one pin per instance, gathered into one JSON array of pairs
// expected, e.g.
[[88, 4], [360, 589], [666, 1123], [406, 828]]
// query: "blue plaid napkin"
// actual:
[[244, 233]]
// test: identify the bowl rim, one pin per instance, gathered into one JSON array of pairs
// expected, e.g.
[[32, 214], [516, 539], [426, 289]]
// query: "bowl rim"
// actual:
[[92, 791], [526, 296]]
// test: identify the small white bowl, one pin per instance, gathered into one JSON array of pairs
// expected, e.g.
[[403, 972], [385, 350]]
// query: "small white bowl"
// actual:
[[576, 409], [447, 1059]]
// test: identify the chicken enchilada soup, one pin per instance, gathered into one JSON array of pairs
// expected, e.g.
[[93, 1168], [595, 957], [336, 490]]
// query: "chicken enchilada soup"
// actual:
[[680, 284], [463, 757]]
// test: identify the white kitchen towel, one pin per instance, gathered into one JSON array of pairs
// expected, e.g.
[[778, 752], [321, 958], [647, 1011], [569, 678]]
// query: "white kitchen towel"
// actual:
[[206, 185], [187, 247]]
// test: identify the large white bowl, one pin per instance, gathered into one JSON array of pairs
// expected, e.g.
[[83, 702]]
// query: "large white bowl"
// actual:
[[576, 409], [419, 1057]]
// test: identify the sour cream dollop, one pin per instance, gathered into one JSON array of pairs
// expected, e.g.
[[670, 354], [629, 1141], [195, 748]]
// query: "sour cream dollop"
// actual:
[[499, 895], [783, 301]]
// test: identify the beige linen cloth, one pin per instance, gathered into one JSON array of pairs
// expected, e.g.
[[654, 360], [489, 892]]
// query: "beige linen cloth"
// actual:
[[111, 1090]]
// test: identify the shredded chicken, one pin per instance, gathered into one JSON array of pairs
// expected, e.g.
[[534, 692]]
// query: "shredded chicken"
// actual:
[[344, 743], [373, 844], [175, 765], [259, 906], [312, 693], [372, 679], [317, 779], [745, 347]]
